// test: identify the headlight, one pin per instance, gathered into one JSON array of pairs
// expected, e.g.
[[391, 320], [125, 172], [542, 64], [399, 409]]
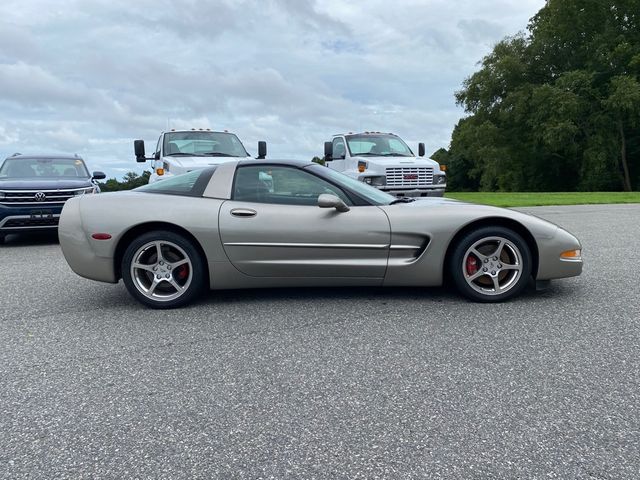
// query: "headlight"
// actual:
[[439, 179], [379, 181], [85, 191]]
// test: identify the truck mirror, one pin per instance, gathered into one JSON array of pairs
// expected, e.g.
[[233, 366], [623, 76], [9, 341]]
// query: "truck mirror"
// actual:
[[138, 148], [328, 151], [421, 150], [262, 149]]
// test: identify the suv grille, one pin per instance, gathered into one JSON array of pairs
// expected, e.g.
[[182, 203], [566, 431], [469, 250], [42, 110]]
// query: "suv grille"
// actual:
[[31, 222], [409, 177], [48, 197]]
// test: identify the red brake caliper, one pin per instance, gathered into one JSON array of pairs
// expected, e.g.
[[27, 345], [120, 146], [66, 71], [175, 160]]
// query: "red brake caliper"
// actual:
[[472, 265], [183, 271]]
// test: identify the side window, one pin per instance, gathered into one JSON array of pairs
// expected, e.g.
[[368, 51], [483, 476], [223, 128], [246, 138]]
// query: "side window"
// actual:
[[339, 150], [157, 152], [281, 185]]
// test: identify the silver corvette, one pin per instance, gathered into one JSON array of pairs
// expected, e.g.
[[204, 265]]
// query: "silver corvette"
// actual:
[[258, 223]]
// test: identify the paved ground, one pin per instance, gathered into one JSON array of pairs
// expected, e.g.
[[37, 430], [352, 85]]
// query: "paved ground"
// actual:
[[354, 383]]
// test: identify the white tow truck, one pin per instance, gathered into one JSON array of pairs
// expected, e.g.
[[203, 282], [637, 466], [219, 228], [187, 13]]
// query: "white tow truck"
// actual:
[[384, 160], [181, 151]]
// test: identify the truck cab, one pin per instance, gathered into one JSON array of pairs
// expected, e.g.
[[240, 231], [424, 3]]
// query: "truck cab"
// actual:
[[181, 151], [384, 160]]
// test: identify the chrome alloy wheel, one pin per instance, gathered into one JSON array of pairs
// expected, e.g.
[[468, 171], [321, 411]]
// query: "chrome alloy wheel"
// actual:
[[161, 270], [492, 265]]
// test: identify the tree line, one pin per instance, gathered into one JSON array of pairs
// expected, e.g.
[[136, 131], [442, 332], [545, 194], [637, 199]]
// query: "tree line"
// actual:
[[556, 108], [129, 181]]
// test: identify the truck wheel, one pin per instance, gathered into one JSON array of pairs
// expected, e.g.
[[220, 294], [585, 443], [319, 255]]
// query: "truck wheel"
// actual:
[[491, 264], [163, 269]]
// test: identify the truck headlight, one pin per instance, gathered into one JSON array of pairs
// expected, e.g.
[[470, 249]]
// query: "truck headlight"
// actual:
[[378, 181], [439, 179]]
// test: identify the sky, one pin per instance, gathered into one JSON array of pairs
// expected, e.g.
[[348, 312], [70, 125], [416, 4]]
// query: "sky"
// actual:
[[90, 76]]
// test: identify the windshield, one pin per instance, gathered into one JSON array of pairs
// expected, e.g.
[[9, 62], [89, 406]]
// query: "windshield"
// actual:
[[199, 143], [43, 167], [382, 145], [372, 194]]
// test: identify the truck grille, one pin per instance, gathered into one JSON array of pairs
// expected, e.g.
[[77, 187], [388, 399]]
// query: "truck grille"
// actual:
[[38, 197], [409, 177]]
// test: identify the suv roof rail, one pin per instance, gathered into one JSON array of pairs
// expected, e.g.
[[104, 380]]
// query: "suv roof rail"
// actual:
[[17, 154]]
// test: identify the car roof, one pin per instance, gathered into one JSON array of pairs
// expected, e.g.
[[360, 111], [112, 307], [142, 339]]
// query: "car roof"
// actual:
[[52, 156]]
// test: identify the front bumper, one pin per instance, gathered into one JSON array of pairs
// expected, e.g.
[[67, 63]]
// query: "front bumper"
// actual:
[[435, 191], [29, 218], [550, 265]]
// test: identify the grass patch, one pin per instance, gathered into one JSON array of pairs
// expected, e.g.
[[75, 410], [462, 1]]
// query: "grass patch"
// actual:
[[533, 199]]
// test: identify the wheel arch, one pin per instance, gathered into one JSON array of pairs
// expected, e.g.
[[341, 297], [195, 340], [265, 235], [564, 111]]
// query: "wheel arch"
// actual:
[[494, 222], [143, 228]]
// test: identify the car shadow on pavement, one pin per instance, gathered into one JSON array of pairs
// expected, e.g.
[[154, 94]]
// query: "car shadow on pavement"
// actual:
[[17, 240], [310, 294]]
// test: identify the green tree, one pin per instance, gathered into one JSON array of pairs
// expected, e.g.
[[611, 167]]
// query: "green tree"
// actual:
[[129, 181], [557, 108]]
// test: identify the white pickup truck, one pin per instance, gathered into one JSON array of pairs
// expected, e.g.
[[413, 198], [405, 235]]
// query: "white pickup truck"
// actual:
[[384, 160], [181, 151]]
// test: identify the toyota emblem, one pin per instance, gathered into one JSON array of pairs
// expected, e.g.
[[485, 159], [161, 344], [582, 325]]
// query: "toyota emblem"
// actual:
[[40, 197]]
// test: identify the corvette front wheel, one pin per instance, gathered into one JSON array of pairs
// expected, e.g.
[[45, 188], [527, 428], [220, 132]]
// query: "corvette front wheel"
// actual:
[[163, 270], [491, 264]]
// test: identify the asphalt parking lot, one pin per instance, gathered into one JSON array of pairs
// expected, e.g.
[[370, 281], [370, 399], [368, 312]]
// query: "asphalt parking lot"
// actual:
[[326, 383]]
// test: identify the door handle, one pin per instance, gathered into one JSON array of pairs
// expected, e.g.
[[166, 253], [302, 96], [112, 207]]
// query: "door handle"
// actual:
[[243, 212]]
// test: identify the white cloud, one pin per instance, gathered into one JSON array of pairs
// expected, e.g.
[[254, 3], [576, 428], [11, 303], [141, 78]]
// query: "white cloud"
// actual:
[[90, 76]]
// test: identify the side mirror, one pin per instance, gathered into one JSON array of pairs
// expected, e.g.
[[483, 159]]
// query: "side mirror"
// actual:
[[328, 151], [421, 150], [326, 200], [262, 149], [98, 175], [138, 148]]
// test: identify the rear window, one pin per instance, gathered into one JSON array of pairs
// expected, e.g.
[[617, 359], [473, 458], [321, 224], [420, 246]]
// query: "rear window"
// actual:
[[191, 184]]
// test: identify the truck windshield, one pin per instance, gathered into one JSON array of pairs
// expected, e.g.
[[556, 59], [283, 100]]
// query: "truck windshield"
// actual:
[[43, 167], [379, 145], [199, 143]]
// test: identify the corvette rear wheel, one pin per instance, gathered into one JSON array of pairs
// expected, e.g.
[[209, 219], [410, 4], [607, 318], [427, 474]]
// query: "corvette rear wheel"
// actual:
[[163, 270], [491, 264]]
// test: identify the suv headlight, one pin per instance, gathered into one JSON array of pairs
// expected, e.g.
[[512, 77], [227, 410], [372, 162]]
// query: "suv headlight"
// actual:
[[378, 181], [85, 191]]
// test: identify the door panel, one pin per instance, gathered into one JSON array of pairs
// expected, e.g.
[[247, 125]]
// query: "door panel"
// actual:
[[305, 241]]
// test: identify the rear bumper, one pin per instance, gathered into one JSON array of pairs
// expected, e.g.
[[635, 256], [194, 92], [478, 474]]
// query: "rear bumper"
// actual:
[[77, 247]]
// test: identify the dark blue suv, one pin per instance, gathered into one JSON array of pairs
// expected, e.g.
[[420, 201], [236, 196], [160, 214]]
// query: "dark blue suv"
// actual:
[[33, 190]]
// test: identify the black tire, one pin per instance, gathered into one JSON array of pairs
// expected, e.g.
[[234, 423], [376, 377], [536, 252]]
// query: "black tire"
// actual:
[[175, 246], [511, 269]]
